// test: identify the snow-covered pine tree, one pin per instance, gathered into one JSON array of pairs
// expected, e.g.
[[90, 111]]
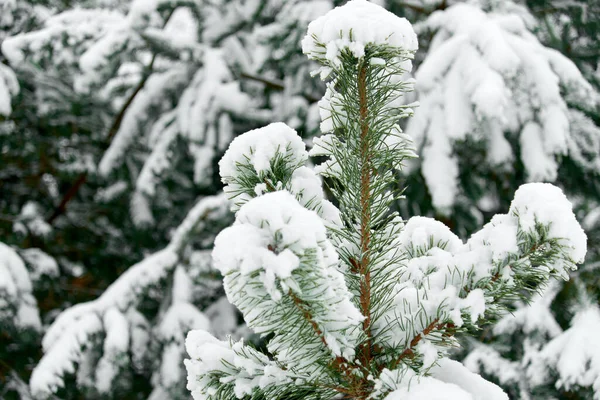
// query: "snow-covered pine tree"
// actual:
[[22, 275], [353, 302]]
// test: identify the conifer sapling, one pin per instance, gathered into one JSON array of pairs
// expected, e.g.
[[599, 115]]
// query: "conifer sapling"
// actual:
[[355, 303]]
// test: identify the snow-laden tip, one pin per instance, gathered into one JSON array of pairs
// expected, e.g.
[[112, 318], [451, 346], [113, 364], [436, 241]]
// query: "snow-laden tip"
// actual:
[[546, 204], [259, 147], [256, 156], [353, 26]]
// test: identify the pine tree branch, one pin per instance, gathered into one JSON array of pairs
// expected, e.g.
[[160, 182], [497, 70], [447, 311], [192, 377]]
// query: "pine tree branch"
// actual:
[[302, 306], [408, 352], [272, 83], [119, 119], [275, 84], [82, 178]]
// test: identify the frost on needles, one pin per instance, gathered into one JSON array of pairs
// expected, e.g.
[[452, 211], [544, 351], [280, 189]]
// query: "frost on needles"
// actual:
[[354, 302]]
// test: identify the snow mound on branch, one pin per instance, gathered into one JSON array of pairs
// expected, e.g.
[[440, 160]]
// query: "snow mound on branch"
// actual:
[[453, 372], [9, 86], [441, 266], [277, 247], [231, 362], [574, 355], [354, 26], [260, 161], [115, 313], [430, 389], [263, 144], [486, 75], [546, 204], [16, 291], [448, 380]]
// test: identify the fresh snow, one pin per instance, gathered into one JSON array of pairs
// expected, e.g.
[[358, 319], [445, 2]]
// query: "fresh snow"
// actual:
[[352, 27], [9, 87], [485, 75], [440, 266], [574, 354], [114, 312], [277, 247], [16, 289]]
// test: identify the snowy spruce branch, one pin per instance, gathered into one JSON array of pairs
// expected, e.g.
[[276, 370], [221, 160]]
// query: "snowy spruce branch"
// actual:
[[162, 73], [116, 324], [354, 302], [488, 78]]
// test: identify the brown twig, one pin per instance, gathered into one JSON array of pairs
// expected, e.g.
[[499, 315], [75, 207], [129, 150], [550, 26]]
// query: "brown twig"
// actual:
[[114, 128], [275, 84], [408, 352]]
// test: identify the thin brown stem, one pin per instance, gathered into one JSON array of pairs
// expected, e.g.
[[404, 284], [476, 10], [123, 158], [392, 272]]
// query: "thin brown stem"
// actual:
[[408, 352], [62, 206], [365, 215], [301, 305], [275, 84], [114, 128]]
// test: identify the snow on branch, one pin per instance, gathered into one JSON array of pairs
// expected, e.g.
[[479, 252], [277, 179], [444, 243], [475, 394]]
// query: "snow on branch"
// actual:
[[269, 159], [9, 87], [448, 380], [353, 28], [486, 75], [239, 366], [112, 316], [281, 250], [366, 308], [445, 280], [573, 355], [152, 94], [17, 303], [79, 25]]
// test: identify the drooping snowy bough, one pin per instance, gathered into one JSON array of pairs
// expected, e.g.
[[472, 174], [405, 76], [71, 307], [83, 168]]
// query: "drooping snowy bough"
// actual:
[[354, 302], [101, 342], [8, 87], [487, 78], [18, 307]]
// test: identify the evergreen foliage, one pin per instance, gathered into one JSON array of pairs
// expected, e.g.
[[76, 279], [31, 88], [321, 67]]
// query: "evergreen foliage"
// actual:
[[120, 110], [362, 305]]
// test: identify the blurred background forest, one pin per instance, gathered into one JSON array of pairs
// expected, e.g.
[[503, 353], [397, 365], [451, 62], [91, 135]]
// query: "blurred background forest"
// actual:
[[114, 114]]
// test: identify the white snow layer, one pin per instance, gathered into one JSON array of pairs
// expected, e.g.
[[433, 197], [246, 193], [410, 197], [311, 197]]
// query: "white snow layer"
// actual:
[[74, 327], [453, 372], [259, 156], [9, 87], [353, 26], [440, 266], [227, 362], [278, 247], [574, 354], [486, 74], [448, 380], [259, 148], [40, 264], [16, 291]]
